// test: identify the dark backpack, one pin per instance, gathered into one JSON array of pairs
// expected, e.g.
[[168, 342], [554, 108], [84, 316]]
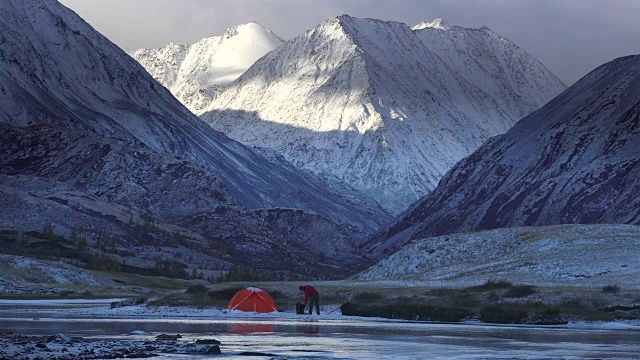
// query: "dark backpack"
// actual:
[[299, 308]]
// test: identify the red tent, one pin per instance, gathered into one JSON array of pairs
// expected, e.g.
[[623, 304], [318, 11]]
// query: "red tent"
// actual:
[[252, 299]]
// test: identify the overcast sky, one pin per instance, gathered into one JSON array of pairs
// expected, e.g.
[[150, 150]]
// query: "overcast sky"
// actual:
[[571, 37]]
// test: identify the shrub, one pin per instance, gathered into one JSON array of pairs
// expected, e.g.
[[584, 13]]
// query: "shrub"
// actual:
[[223, 294], [621, 308], [66, 293], [500, 315], [520, 291], [197, 289], [443, 292], [140, 300], [128, 302], [403, 311], [611, 289], [550, 316], [366, 297], [492, 285], [573, 304], [493, 297]]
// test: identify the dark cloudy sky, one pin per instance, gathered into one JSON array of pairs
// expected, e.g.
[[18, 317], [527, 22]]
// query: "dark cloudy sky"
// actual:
[[571, 37]]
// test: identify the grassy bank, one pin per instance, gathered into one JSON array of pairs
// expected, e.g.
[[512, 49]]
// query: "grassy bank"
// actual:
[[491, 302]]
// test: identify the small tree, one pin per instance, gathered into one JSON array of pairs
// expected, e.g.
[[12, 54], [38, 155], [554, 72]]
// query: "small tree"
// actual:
[[47, 230], [81, 245]]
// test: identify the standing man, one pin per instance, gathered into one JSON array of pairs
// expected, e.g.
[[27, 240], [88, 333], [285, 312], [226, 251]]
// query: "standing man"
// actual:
[[311, 292]]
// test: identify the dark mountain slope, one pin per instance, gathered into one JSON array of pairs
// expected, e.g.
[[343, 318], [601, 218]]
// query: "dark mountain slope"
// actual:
[[103, 189], [56, 69], [576, 160]]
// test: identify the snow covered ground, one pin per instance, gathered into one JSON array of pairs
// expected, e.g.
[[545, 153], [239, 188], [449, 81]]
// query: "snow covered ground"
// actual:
[[101, 311], [561, 255], [24, 275]]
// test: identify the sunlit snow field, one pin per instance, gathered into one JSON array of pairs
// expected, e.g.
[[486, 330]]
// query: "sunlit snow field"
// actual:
[[286, 335]]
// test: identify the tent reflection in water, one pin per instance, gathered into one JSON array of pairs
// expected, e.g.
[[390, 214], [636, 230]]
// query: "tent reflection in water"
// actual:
[[252, 299]]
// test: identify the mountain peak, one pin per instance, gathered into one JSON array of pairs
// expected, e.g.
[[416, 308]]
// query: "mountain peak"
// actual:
[[486, 29], [336, 22], [251, 26], [193, 72], [361, 28], [344, 18], [438, 23]]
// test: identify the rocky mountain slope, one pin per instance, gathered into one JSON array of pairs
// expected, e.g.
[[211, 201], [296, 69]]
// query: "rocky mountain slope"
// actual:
[[96, 188], [193, 73], [380, 106], [576, 160], [56, 69], [23, 275], [564, 255]]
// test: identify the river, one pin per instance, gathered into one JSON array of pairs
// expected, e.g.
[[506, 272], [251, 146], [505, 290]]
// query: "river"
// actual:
[[343, 337]]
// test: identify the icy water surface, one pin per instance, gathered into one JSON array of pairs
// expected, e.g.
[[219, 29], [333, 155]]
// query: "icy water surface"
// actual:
[[346, 338]]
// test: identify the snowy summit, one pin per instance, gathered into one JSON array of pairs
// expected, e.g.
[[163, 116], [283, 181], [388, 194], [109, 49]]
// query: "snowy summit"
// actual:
[[438, 23], [194, 72]]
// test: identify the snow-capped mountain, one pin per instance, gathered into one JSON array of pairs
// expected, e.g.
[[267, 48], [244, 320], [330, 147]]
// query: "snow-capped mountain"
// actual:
[[193, 73], [564, 255], [380, 106], [56, 69], [574, 161]]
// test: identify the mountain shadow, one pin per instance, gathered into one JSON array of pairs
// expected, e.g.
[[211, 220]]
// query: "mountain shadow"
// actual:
[[370, 149]]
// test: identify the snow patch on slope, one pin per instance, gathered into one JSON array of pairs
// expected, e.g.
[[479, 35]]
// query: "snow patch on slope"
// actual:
[[20, 274]]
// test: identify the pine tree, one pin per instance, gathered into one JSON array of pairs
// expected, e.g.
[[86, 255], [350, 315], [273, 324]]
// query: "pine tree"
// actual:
[[48, 232]]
